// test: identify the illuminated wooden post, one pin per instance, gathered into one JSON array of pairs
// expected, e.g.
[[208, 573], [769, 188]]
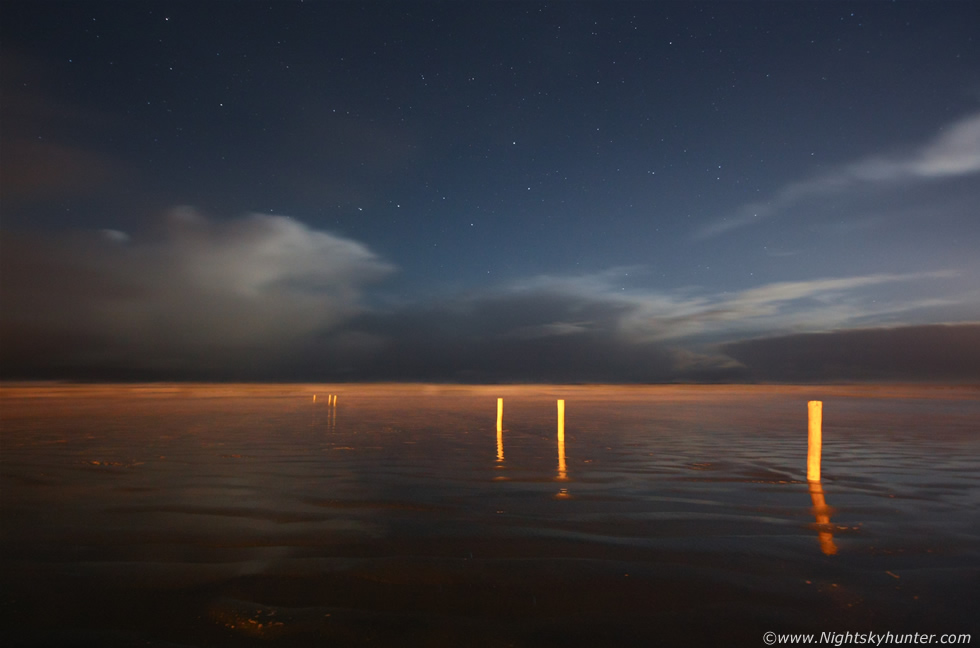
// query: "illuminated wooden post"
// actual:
[[314, 398], [500, 429], [332, 413], [562, 474], [814, 440]]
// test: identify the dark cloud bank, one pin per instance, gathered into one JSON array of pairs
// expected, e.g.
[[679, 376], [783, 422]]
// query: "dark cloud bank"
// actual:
[[265, 298], [911, 353]]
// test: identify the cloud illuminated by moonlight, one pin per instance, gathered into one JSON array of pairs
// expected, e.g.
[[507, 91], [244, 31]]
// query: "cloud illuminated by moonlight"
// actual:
[[954, 152], [197, 293]]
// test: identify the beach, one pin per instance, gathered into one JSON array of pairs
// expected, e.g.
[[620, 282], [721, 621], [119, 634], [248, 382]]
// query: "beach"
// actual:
[[397, 515]]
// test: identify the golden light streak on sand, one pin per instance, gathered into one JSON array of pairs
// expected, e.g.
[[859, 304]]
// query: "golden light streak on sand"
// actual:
[[822, 514]]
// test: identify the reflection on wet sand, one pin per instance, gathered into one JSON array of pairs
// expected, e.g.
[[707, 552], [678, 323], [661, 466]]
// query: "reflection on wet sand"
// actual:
[[331, 422], [216, 503], [822, 513]]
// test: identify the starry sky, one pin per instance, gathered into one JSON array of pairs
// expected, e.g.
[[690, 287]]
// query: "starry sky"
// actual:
[[490, 191]]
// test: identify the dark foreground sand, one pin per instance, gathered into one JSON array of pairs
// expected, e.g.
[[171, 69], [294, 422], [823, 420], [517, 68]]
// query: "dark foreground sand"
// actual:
[[231, 515]]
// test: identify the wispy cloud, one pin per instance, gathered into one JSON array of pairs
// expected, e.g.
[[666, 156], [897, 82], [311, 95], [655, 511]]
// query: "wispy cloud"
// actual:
[[650, 316], [814, 305], [588, 327], [952, 153]]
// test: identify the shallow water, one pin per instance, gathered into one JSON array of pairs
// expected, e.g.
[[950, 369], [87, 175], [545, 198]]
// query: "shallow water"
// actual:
[[228, 515]]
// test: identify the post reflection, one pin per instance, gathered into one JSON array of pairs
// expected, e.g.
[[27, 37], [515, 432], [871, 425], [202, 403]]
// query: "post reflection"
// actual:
[[331, 405], [822, 514]]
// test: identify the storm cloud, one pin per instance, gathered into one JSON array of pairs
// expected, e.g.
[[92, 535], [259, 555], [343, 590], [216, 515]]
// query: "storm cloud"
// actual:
[[194, 298]]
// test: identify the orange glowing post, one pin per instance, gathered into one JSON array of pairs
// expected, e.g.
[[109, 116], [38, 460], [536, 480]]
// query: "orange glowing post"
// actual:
[[332, 411], [500, 429], [562, 472], [814, 440], [822, 514]]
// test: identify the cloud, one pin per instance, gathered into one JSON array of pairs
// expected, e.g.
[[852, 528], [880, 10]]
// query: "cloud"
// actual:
[[953, 153], [267, 298], [587, 329], [910, 353], [44, 157], [198, 296], [551, 329], [956, 152], [492, 338], [35, 170], [643, 316], [820, 303]]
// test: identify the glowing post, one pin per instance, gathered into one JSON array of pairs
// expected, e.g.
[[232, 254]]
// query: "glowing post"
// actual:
[[814, 439], [500, 429], [332, 412], [562, 473]]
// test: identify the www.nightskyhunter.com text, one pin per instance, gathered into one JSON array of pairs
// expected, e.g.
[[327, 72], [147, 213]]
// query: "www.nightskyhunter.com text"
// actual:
[[865, 639]]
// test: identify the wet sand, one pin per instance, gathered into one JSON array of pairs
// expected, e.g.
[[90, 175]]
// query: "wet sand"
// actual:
[[227, 515]]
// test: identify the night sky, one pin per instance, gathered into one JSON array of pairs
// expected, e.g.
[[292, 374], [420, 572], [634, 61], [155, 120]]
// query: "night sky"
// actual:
[[497, 191]]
